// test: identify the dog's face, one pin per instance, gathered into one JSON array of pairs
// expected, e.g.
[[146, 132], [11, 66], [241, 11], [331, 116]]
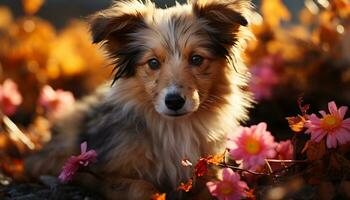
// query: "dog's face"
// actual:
[[177, 54]]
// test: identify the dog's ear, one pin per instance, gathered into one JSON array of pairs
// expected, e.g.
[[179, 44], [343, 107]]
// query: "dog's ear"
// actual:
[[112, 23], [115, 28], [222, 17]]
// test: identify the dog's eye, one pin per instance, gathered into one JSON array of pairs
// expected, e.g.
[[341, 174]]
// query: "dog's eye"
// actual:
[[153, 64], [196, 60]]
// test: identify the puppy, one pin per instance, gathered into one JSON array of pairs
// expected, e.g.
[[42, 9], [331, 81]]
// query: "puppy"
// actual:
[[178, 90]]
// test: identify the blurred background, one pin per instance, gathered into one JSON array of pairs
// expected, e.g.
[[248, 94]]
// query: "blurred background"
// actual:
[[47, 62]]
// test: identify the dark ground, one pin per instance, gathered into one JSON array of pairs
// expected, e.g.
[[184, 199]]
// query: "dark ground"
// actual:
[[47, 189]]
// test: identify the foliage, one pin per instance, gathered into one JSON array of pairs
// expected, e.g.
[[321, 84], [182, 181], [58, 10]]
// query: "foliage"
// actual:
[[288, 59]]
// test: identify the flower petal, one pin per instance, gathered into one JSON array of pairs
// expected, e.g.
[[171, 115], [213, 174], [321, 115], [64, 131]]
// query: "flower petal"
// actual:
[[83, 147], [332, 107], [342, 111], [212, 187], [331, 141]]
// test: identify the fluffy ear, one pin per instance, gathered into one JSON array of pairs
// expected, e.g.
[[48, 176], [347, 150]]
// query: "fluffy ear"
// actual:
[[114, 22], [114, 27], [223, 17]]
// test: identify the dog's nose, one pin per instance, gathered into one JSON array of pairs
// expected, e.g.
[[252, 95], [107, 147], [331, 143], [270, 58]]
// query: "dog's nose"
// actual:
[[174, 102]]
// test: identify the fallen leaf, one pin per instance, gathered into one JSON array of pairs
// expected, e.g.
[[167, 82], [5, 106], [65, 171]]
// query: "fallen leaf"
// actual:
[[296, 123], [186, 186], [217, 159], [249, 195], [158, 196], [201, 167]]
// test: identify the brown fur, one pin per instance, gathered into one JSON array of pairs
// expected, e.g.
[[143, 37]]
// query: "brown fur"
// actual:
[[140, 145]]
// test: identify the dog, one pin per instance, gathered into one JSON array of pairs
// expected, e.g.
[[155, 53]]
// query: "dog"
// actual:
[[179, 87]]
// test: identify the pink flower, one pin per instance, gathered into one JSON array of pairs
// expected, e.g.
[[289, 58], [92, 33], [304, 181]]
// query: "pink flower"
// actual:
[[55, 102], [285, 150], [229, 188], [264, 77], [75, 162], [10, 98], [252, 145], [332, 125]]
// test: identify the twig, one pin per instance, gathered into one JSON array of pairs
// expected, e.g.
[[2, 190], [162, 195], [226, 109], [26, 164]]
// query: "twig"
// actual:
[[14, 132], [269, 166], [240, 169], [286, 161]]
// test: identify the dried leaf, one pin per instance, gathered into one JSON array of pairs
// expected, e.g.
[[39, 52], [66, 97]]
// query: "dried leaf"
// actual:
[[303, 108], [201, 167], [316, 151], [249, 195], [274, 11], [32, 6], [216, 160], [158, 196], [186, 186], [296, 123]]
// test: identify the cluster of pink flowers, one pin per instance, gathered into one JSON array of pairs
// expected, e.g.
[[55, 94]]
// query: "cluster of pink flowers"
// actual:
[[331, 126], [264, 77], [75, 162], [55, 101], [10, 97], [252, 146]]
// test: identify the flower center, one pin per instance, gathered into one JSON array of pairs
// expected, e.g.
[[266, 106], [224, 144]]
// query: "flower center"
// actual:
[[226, 188], [330, 122], [252, 146]]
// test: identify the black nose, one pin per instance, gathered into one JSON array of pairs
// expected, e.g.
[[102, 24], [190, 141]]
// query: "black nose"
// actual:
[[174, 102]]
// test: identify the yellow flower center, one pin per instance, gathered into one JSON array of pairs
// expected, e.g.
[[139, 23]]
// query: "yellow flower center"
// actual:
[[330, 122], [226, 188], [252, 146]]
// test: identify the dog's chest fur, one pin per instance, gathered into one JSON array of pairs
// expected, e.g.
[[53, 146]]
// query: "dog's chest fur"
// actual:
[[134, 141]]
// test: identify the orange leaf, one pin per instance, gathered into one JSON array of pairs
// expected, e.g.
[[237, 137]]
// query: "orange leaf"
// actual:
[[217, 159], [249, 195], [186, 186], [201, 167], [296, 123], [274, 11], [32, 6], [303, 108], [158, 196]]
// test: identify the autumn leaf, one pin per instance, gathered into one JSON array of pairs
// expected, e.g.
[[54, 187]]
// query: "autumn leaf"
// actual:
[[249, 195], [32, 6], [186, 186], [201, 167], [158, 196], [274, 11], [296, 123], [303, 108], [216, 160], [315, 151]]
